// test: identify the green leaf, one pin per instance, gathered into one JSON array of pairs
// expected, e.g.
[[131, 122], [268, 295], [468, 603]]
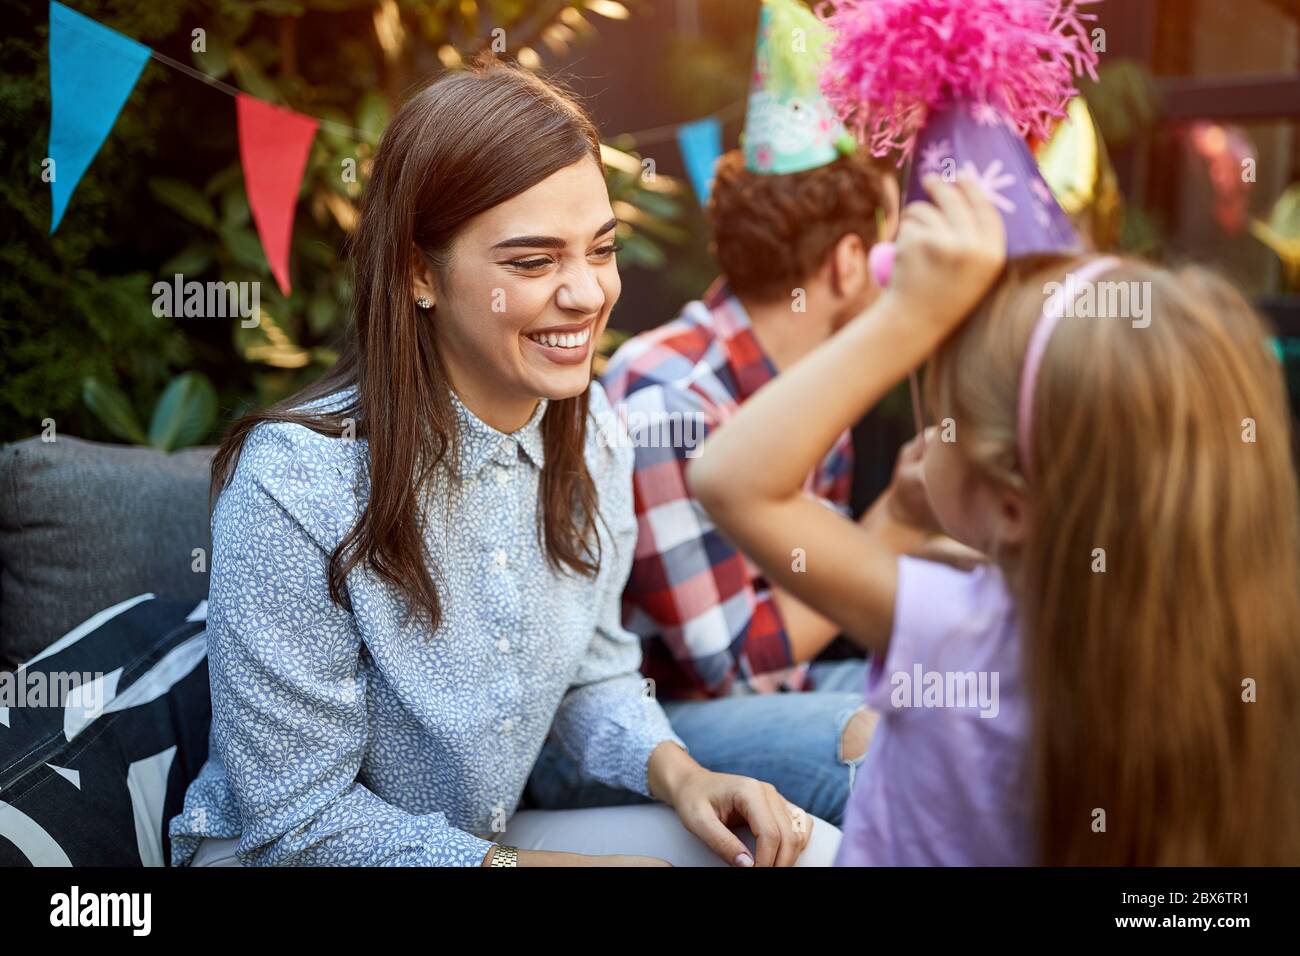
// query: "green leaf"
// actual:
[[655, 203], [251, 78], [113, 409], [193, 260], [184, 199], [372, 115], [324, 357], [660, 228], [321, 312], [1285, 217], [215, 61], [640, 251], [246, 248], [184, 413], [230, 177], [335, 137], [234, 206]]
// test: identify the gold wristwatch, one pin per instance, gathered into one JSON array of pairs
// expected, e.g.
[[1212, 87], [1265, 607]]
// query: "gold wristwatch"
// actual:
[[505, 856]]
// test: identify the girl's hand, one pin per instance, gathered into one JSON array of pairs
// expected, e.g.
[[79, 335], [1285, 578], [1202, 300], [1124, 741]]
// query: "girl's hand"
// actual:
[[901, 519], [904, 520], [750, 473], [948, 253], [906, 498]]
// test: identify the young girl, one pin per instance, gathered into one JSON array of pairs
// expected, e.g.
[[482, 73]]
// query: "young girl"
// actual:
[[1119, 684]]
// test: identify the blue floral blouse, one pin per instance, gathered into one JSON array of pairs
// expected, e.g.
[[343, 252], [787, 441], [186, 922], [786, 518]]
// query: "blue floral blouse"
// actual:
[[358, 738]]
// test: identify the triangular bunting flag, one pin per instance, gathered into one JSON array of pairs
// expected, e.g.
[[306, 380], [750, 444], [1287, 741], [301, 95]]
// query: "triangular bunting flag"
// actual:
[[701, 145], [92, 71], [273, 146]]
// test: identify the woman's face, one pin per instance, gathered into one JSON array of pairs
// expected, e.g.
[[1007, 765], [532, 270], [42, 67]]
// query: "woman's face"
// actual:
[[526, 293]]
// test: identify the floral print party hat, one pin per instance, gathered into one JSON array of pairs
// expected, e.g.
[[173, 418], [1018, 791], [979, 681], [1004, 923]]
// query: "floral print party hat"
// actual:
[[789, 126], [957, 86]]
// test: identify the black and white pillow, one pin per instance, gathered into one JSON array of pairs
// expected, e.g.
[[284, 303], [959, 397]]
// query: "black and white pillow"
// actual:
[[100, 734]]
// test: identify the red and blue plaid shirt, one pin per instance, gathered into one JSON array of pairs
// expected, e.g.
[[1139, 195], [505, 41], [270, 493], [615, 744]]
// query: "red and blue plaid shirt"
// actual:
[[708, 620]]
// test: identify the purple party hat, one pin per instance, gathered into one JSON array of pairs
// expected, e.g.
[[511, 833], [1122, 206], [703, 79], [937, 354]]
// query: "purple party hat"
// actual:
[[956, 86]]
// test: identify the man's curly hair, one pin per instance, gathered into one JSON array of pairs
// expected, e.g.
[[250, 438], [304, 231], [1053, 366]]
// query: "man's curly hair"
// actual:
[[771, 233]]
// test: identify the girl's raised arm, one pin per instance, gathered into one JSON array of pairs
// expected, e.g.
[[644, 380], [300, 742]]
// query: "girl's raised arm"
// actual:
[[751, 471]]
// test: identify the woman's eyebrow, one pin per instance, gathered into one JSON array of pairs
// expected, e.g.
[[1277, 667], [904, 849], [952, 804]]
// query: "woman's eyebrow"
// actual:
[[548, 242]]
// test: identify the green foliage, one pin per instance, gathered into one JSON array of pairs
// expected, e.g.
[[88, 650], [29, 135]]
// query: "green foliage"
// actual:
[[165, 195], [184, 414], [113, 409], [76, 304], [1124, 100], [1281, 233]]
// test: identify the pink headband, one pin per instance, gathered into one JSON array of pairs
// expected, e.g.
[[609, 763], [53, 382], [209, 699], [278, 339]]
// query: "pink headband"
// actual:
[[1053, 310]]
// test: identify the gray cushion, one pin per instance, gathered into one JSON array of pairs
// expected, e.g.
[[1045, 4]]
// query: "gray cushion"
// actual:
[[84, 525]]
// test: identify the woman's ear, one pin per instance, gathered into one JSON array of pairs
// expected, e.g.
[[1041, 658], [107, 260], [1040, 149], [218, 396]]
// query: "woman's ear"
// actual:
[[422, 284]]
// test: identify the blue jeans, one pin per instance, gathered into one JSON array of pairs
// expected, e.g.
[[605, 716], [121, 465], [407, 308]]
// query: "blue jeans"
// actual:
[[791, 741]]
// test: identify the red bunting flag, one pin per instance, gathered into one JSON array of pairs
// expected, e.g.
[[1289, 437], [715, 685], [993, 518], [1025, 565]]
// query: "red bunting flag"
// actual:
[[273, 145]]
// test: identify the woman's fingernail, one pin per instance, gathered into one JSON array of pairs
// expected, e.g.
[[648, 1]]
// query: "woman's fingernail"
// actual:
[[744, 859]]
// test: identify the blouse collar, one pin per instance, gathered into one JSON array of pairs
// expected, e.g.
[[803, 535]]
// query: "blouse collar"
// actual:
[[478, 442]]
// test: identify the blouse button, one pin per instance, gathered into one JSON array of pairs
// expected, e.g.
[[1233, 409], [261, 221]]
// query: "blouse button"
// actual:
[[503, 645], [500, 557], [507, 725], [503, 477]]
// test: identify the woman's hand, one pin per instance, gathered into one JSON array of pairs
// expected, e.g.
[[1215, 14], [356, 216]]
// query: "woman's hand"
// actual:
[[947, 255], [709, 804]]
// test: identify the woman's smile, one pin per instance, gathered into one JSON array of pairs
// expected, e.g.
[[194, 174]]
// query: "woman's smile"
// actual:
[[563, 344]]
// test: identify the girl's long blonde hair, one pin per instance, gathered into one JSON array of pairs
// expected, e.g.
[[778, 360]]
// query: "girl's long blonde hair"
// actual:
[[1166, 688]]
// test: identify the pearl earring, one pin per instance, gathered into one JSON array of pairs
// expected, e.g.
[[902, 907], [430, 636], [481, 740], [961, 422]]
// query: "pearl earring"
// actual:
[[423, 302]]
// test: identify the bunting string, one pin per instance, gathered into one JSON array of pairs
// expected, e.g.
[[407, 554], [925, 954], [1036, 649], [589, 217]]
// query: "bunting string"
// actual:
[[640, 137], [93, 70]]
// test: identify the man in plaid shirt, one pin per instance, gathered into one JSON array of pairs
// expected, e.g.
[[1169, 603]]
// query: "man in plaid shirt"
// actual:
[[732, 658], [710, 624]]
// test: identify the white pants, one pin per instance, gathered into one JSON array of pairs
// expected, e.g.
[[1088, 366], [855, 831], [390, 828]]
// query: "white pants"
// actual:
[[648, 829]]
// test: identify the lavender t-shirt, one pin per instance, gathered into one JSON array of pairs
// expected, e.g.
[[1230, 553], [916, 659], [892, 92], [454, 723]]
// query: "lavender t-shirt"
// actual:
[[943, 781]]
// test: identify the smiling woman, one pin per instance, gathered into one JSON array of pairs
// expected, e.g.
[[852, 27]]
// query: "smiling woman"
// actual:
[[543, 264], [418, 561]]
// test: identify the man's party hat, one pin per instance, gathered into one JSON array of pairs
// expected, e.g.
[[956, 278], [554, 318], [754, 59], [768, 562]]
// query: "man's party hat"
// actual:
[[956, 86], [789, 126]]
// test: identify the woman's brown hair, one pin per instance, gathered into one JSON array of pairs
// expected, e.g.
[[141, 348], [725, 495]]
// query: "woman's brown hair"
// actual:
[[1166, 687], [463, 144]]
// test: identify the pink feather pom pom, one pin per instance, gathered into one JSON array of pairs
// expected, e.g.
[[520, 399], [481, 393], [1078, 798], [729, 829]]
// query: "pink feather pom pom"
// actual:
[[892, 61], [880, 260]]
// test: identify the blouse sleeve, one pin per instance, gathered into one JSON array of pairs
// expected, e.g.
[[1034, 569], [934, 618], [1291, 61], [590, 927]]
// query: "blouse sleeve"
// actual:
[[609, 721], [289, 711]]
